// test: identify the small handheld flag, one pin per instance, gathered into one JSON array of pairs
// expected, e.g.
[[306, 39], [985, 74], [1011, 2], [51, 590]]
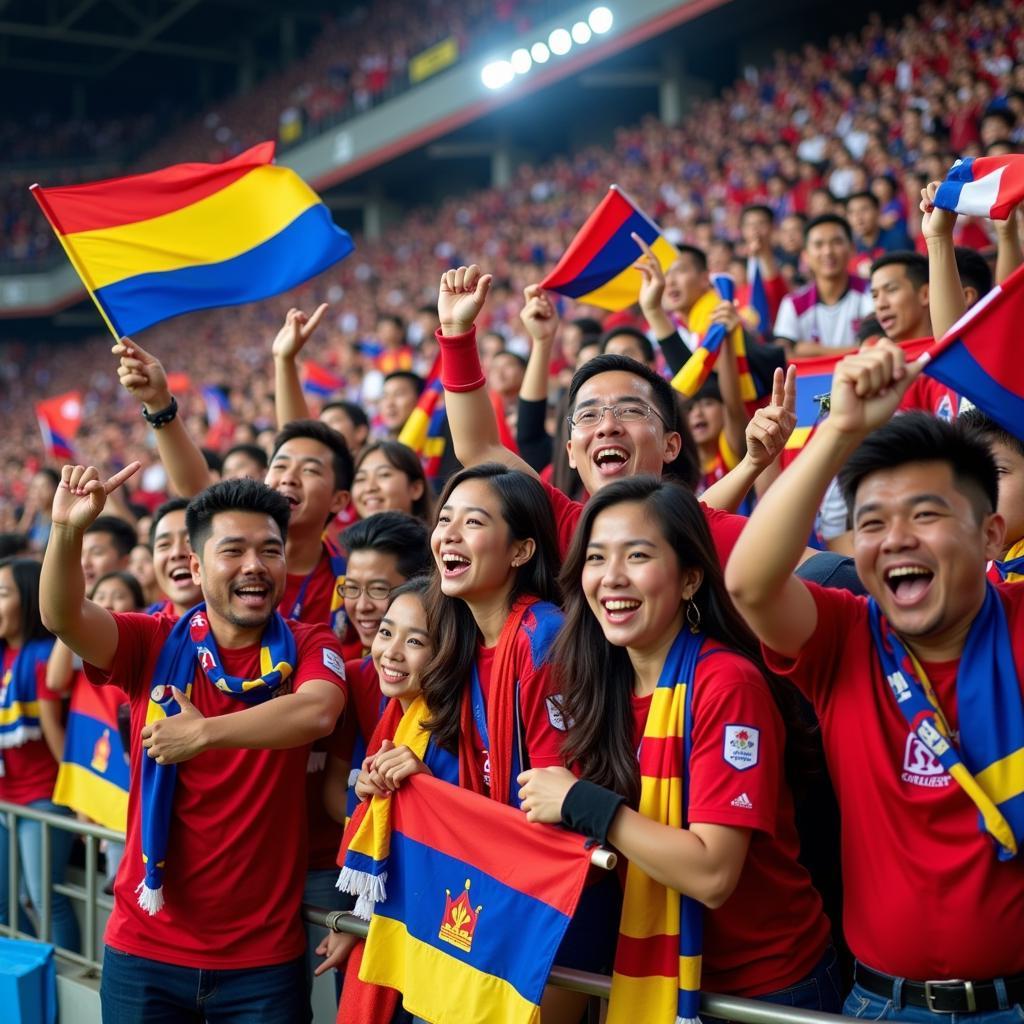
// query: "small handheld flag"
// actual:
[[597, 268], [192, 236], [318, 381], [759, 296], [985, 186], [59, 419], [216, 403]]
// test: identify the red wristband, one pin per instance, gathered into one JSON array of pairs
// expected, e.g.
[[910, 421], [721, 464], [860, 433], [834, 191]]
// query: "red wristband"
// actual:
[[460, 361]]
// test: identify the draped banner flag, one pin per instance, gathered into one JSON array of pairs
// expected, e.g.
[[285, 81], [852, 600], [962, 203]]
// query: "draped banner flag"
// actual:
[[979, 358], [474, 915], [424, 430], [192, 236], [984, 186], [59, 419], [318, 381], [597, 268]]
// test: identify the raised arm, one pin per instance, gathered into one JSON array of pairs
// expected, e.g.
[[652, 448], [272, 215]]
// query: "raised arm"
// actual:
[[89, 630], [1008, 251], [866, 390], [946, 302], [540, 319], [289, 401], [471, 419], [142, 375]]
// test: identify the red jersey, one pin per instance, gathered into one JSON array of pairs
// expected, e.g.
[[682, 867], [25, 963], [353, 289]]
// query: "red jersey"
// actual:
[[307, 596], [29, 770], [925, 895], [724, 526], [771, 932], [236, 857], [929, 395]]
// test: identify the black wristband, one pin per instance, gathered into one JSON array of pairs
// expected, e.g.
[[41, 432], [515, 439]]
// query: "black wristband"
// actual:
[[590, 809], [160, 419]]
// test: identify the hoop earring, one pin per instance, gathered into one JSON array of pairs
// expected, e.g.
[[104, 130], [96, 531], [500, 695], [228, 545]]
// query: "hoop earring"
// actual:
[[693, 616]]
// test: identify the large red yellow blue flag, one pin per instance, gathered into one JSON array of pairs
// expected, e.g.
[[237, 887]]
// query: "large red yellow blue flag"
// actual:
[[59, 419], [597, 268], [192, 236], [474, 914], [979, 356]]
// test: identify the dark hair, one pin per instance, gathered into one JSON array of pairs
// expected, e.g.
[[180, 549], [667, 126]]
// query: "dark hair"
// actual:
[[25, 572], [233, 496], [828, 218], [915, 265], [214, 462], [512, 355], [869, 196], [1000, 114], [977, 424], [596, 677], [122, 534], [341, 457], [662, 398], [130, 582], [527, 514], [418, 585], [405, 460], [921, 437], [869, 328], [766, 211], [629, 332], [973, 269], [49, 471], [354, 412], [169, 506], [394, 533], [252, 451], [696, 254], [12, 544], [589, 328], [392, 318], [413, 378]]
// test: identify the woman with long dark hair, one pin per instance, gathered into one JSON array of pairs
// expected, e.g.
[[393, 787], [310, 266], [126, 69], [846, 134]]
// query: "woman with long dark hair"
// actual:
[[681, 740], [389, 477]]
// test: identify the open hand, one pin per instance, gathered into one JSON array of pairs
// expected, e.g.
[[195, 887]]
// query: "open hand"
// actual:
[[335, 947], [770, 428]]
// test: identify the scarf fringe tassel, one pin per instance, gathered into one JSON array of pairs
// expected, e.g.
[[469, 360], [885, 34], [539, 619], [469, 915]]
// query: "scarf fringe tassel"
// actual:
[[151, 900], [688, 1020], [368, 889]]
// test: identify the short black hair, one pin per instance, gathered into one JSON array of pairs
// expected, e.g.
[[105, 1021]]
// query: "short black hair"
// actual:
[[214, 463], [869, 196], [169, 506], [122, 534], [696, 254], [589, 328], [354, 412], [828, 218], [12, 544], [869, 328], [630, 332], [25, 572], [252, 451], [973, 269], [921, 437], [915, 265], [1001, 114], [663, 395], [394, 533], [976, 423], [413, 378], [233, 496], [508, 352], [393, 318], [341, 457], [49, 471], [767, 211]]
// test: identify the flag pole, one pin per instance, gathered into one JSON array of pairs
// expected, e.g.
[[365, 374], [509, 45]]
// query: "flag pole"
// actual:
[[48, 213]]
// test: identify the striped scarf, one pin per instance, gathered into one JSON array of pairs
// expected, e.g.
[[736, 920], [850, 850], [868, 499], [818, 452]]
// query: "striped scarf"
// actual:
[[337, 619], [19, 699], [989, 765], [658, 957], [1011, 568], [191, 642]]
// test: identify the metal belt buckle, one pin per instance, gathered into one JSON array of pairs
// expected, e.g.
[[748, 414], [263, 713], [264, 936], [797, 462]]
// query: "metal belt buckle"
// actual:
[[929, 994]]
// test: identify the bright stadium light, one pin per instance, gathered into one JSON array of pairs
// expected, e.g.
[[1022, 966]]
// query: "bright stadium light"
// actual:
[[540, 53], [600, 20], [581, 32], [560, 41], [521, 61], [497, 74]]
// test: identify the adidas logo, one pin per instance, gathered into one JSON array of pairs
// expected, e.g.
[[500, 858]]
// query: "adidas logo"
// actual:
[[743, 801]]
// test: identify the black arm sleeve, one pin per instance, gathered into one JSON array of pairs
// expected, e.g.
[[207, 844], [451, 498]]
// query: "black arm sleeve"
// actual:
[[675, 351], [534, 441]]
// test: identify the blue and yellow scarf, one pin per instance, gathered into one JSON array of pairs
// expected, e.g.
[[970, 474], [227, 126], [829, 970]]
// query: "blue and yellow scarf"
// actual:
[[190, 643], [337, 619], [1011, 569], [989, 764], [19, 700], [658, 957]]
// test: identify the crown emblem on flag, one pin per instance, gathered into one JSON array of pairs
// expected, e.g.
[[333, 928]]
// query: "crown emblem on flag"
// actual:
[[460, 919], [101, 753]]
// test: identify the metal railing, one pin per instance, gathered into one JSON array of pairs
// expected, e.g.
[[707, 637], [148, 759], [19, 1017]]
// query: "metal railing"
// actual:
[[745, 1011]]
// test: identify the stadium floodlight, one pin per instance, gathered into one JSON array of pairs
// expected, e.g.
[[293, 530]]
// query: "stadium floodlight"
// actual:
[[581, 32], [521, 61], [600, 20], [497, 74], [540, 53], [560, 42]]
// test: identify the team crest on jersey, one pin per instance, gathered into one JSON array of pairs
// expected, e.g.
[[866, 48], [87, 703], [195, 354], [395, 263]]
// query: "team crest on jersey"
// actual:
[[945, 409], [158, 694], [206, 658], [741, 746], [333, 661], [198, 627], [460, 920], [921, 767], [555, 716]]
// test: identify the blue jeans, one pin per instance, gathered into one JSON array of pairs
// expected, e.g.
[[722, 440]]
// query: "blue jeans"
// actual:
[[867, 1006], [820, 990], [134, 990], [63, 923]]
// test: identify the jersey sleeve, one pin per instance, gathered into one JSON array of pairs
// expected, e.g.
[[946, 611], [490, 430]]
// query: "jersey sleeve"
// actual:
[[725, 530], [567, 516], [43, 692], [137, 636], [787, 324], [543, 728], [318, 656]]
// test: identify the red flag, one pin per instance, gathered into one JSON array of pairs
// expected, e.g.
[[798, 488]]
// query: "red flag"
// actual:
[[59, 419]]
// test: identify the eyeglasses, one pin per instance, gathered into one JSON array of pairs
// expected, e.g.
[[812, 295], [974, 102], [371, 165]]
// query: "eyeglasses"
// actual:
[[375, 591], [622, 412]]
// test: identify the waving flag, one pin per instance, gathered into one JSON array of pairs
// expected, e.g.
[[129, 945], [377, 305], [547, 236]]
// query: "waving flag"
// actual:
[[474, 915], [597, 268], [984, 186], [59, 419], [216, 403], [759, 296], [979, 356], [416, 428], [318, 381], [152, 246]]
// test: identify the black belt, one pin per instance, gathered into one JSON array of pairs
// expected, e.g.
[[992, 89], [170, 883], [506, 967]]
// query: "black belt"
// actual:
[[953, 996]]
